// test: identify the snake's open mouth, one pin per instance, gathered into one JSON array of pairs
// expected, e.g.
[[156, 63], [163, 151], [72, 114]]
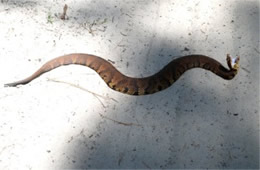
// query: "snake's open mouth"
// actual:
[[234, 61]]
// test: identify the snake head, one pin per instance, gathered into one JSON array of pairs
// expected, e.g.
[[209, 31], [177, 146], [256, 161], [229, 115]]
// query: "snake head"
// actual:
[[233, 62]]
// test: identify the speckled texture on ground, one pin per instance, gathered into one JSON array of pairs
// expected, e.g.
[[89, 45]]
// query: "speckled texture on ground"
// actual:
[[201, 121]]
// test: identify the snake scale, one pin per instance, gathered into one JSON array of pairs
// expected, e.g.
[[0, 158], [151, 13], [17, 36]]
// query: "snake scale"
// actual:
[[139, 86]]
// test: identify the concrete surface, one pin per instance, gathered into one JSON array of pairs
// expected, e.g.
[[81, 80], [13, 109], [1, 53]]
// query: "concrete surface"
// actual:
[[200, 122]]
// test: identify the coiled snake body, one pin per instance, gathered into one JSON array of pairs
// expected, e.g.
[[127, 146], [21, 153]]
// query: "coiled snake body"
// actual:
[[139, 86]]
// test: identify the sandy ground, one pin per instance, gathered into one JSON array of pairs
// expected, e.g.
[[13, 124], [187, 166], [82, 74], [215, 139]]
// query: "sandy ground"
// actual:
[[202, 121]]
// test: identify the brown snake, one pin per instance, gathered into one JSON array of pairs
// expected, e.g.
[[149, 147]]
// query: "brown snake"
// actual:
[[139, 86]]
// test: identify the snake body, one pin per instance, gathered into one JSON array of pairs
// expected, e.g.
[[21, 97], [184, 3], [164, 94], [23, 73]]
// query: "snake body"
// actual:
[[139, 86]]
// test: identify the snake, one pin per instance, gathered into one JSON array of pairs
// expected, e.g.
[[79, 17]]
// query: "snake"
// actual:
[[159, 81]]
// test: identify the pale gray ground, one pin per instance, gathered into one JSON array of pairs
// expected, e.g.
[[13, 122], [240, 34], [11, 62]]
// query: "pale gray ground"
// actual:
[[202, 121]]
